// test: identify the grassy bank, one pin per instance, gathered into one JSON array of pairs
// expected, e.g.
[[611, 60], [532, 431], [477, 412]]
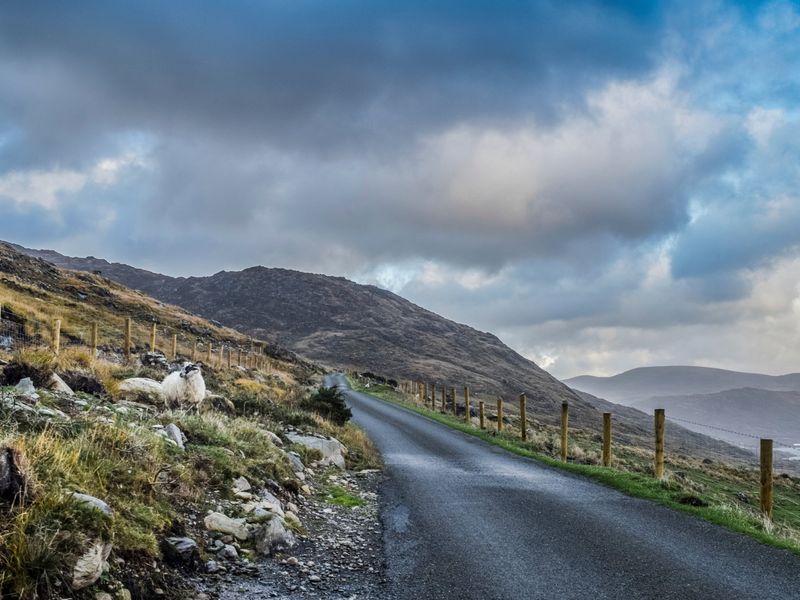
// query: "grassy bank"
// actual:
[[722, 494]]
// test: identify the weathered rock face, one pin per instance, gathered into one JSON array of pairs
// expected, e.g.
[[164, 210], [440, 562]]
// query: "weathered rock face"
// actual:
[[142, 389], [181, 551], [16, 487], [90, 565], [332, 450], [273, 536], [236, 527]]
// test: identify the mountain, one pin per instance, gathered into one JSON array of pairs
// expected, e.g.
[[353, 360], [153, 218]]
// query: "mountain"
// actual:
[[763, 413], [346, 325], [646, 382]]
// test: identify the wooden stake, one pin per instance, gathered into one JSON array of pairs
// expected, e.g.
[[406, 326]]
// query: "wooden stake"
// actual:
[[482, 414], [95, 337], [174, 346], [523, 417], [453, 393], [499, 414], [127, 343], [194, 351], [56, 336], [467, 405], [606, 439], [659, 425], [766, 478], [208, 354], [153, 333], [239, 362], [230, 357], [564, 430]]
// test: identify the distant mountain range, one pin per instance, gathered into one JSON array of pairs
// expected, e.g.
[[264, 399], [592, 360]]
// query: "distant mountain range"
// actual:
[[722, 404]]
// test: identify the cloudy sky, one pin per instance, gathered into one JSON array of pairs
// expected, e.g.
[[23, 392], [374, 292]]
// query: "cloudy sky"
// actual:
[[604, 185]]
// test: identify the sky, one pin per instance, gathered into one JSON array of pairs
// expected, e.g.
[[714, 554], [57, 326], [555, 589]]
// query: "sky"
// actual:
[[604, 185]]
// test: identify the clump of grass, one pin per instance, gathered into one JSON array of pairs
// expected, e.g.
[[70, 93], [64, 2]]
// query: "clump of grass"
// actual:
[[341, 497]]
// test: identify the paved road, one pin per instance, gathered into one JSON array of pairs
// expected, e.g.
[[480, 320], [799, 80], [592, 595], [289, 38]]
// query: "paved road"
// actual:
[[464, 519]]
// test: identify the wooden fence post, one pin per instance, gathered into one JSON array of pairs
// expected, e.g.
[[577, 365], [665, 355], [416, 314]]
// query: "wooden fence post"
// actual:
[[153, 333], [523, 417], [194, 350], [208, 354], [659, 426], [467, 405], [766, 478], [453, 392], [606, 439], [239, 361], [564, 430], [230, 357], [128, 328], [419, 393], [499, 414], [482, 414], [174, 346], [95, 337], [56, 336]]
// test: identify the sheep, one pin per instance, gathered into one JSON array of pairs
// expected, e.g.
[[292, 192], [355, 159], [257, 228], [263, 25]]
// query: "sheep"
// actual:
[[184, 387]]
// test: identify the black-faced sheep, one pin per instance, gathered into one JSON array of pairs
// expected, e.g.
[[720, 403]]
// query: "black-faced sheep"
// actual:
[[184, 388]]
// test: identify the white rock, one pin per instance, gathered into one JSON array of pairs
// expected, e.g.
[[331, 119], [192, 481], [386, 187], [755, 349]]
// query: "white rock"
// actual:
[[228, 552], [273, 536], [332, 450], [57, 385], [274, 438], [174, 433], [92, 502], [25, 386], [216, 521], [241, 485], [292, 519], [90, 565], [291, 506], [142, 388]]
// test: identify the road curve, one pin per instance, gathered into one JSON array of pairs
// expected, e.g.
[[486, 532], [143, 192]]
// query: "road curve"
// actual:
[[464, 519]]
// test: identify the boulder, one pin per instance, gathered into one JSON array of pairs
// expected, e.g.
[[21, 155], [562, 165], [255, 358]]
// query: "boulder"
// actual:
[[332, 450], [142, 389], [57, 384], [216, 521], [90, 565], [297, 463], [92, 502], [229, 552], [273, 536], [274, 438], [181, 551]]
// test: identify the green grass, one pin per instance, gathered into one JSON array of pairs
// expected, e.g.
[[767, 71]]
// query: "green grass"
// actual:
[[341, 497], [715, 486]]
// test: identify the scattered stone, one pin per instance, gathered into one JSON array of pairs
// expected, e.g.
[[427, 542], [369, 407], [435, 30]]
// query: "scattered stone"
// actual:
[[292, 519], [292, 561], [229, 552], [92, 502], [297, 463], [26, 388], [181, 551], [90, 565], [174, 434], [58, 385], [273, 536], [274, 438], [213, 566], [241, 485], [216, 521], [332, 450]]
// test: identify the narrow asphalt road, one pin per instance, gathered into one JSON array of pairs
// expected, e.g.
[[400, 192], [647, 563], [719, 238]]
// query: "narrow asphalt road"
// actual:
[[465, 519]]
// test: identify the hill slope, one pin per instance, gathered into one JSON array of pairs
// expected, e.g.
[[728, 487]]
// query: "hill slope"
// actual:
[[343, 324], [645, 382]]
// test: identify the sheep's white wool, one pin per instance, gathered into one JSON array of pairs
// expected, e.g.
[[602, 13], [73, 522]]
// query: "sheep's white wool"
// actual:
[[184, 387]]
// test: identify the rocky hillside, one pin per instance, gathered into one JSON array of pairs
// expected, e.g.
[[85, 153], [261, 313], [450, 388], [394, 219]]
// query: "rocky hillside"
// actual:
[[112, 487]]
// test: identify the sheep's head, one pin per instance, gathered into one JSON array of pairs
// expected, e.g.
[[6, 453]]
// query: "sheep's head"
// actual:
[[190, 370]]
